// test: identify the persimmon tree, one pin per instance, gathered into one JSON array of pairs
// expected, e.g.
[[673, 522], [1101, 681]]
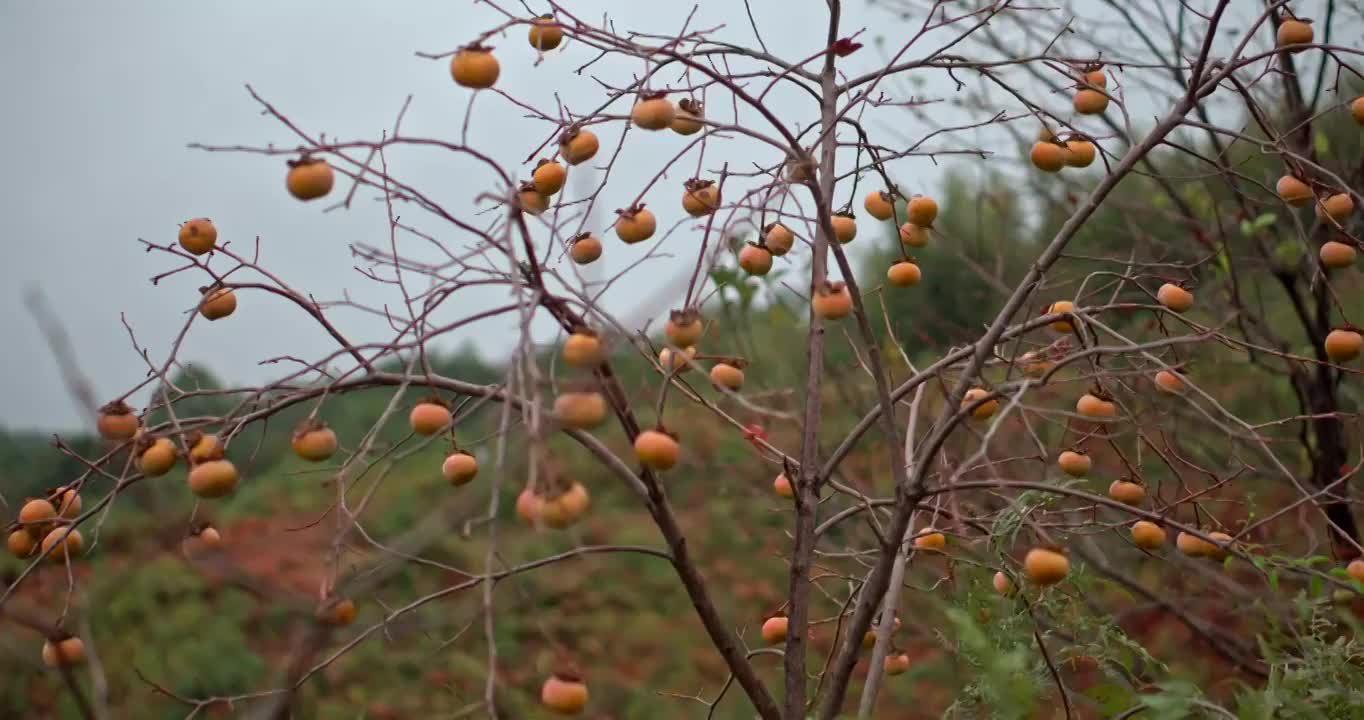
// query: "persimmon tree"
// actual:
[[1182, 197]]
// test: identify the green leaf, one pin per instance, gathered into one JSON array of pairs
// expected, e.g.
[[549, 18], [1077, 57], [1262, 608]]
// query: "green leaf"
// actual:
[[1322, 143]]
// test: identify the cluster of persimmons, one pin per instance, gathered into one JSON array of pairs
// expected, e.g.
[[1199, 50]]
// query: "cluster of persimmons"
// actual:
[[46, 526]]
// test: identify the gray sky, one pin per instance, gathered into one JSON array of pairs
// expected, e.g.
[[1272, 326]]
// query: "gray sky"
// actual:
[[103, 98]]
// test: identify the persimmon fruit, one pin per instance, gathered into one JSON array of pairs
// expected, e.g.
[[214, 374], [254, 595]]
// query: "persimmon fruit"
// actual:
[[117, 422], [459, 468], [548, 177], [217, 303], [1046, 566], [429, 416], [656, 449], [475, 66], [309, 178], [198, 236], [545, 33], [653, 111], [635, 224], [314, 441], [832, 301]]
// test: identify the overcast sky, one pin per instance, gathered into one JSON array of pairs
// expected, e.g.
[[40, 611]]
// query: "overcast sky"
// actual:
[[103, 98]]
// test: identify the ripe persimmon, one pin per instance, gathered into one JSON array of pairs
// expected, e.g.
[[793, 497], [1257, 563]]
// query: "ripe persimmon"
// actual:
[[309, 178], [1336, 255], [429, 416], [1169, 381], [1046, 566], [1048, 156], [1074, 463], [913, 235], [983, 411], [337, 612], [832, 301], [564, 693], [774, 629], [636, 224], [676, 361], [700, 197], [1096, 78], [62, 542], [577, 145], [314, 441], [1002, 584], [583, 349], [688, 118], [1356, 570], [548, 177], [117, 422], [1337, 206], [202, 538], [1293, 191], [474, 66], [656, 449], [459, 468], [217, 302], [896, 664], [1175, 297], [1063, 325], [903, 274], [566, 508], [755, 260], [845, 227], [210, 538], [1295, 31], [66, 652], [545, 33], [1343, 344], [879, 204], [575, 500], [20, 543], [203, 447], [1357, 109], [198, 236], [530, 200], [68, 502], [930, 539], [35, 515], [1194, 546], [1126, 492], [1221, 546], [728, 374], [586, 248], [778, 238], [157, 457], [782, 486], [922, 210], [684, 327], [653, 111], [1096, 407], [213, 478], [1090, 102], [530, 506], [1081, 153], [581, 409], [1147, 535]]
